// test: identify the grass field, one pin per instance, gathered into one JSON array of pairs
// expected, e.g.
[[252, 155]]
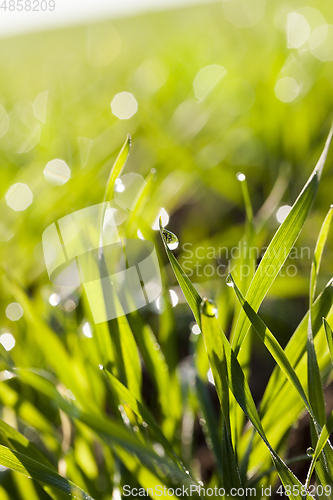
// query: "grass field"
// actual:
[[172, 406]]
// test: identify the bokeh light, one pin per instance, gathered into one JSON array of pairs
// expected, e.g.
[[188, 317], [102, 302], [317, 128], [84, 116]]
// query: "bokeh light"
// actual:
[[298, 30], [57, 172], [242, 13], [19, 196], [286, 89], [124, 105], [207, 79], [14, 311]]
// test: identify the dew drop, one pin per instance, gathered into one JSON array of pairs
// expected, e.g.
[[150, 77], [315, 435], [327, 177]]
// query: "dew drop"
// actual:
[[170, 239], [240, 176], [310, 452], [101, 367], [229, 281], [208, 307]]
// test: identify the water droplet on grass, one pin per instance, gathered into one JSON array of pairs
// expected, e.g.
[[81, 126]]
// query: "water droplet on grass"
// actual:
[[54, 299], [229, 281], [170, 239], [208, 307], [310, 452], [240, 176]]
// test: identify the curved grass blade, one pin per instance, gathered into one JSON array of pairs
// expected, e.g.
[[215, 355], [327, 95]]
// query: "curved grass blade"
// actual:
[[279, 248], [318, 252], [218, 363], [211, 422], [323, 438], [14, 440], [329, 337], [109, 430], [18, 462], [113, 176], [296, 346], [142, 412], [241, 391], [274, 348], [117, 168], [157, 367], [315, 387], [192, 296], [236, 380]]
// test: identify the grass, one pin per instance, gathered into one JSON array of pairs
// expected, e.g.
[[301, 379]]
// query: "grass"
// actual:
[[132, 403]]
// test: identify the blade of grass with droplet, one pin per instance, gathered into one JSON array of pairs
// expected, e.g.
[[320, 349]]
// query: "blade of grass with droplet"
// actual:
[[18, 462], [194, 300], [191, 295], [236, 380], [322, 440], [279, 248], [142, 412], [247, 262], [241, 391]]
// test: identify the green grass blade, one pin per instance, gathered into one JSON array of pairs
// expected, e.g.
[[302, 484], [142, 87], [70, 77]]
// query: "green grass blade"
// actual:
[[279, 248], [211, 422], [241, 391], [322, 440], [236, 380], [130, 355], [142, 412], [39, 472], [316, 392], [117, 168], [115, 172], [107, 428], [216, 354], [296, 346], [167, 386], [318, 252], [13, 439], [192, 296], [329, 337], [273, 347]]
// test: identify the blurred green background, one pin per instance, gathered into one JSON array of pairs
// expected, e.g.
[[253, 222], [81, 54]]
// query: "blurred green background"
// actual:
[[215, 90]]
